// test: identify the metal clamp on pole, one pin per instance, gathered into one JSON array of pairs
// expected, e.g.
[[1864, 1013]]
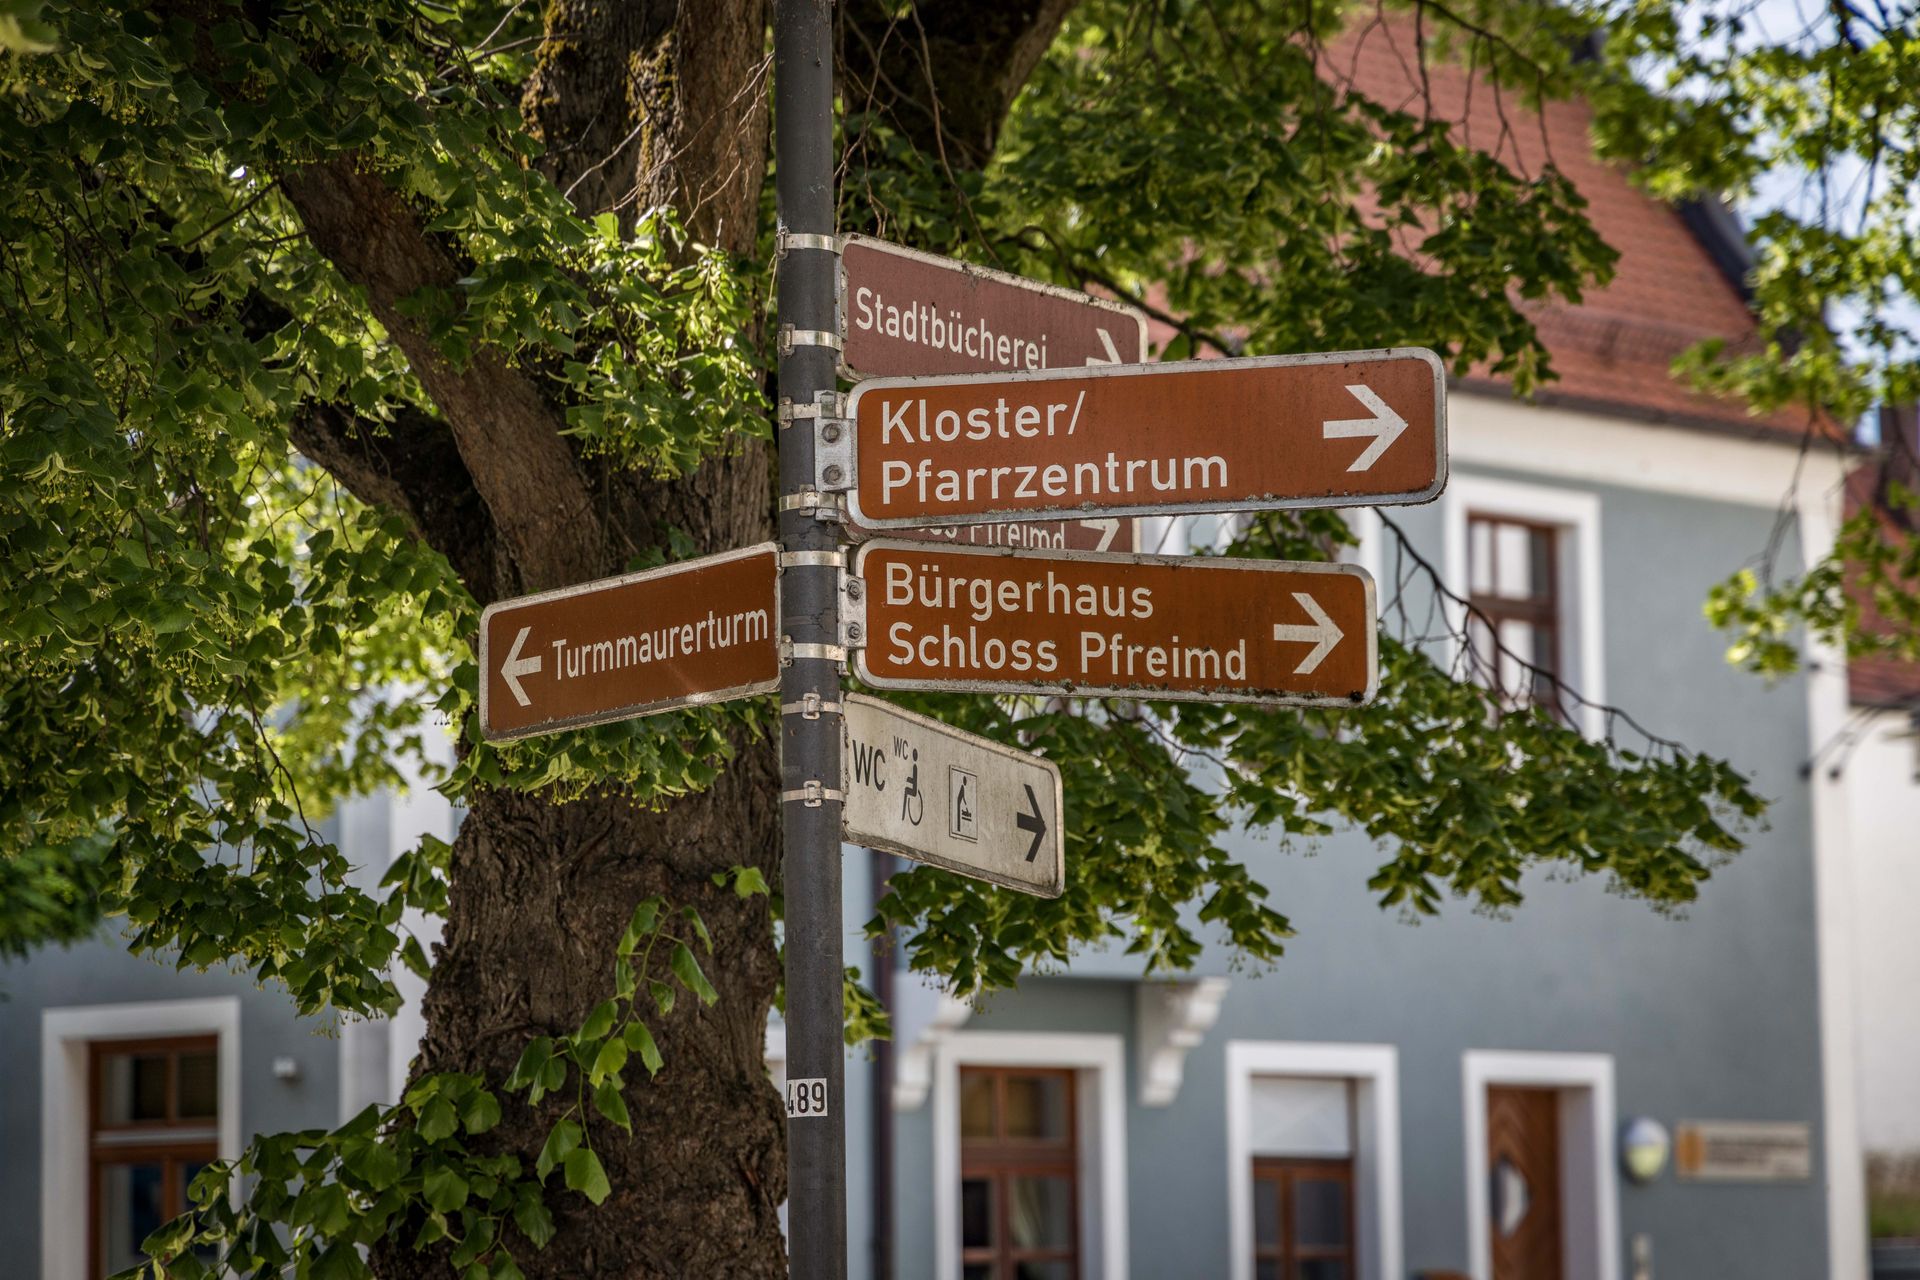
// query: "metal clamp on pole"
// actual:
[[825, 404], [810, 707], [813, 560], [816, 503], [792, 651], [812, 794], [806, 240], [790, 338]]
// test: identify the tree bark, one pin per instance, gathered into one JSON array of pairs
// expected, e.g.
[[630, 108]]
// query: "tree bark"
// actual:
[[945, 74], [637, 105]]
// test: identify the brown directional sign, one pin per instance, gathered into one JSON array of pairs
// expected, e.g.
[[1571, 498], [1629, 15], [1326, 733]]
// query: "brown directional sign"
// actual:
[[1358, 428], [1181, 628], [701, 631], [906, 312], [1101, 533]]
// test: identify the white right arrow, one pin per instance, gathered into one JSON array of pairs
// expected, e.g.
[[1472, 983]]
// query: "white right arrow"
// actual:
[[1113, 352], [516, 666], [1322, 635], [1384, 426]]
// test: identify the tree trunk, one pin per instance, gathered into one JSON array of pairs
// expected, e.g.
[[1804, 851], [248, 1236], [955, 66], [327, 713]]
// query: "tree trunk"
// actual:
[[541, 893], [638, 105]]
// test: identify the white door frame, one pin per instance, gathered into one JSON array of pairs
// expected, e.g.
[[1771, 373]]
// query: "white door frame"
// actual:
[[1589, 1187], [1374, 1070], [1100, 1076], [64, 1036]]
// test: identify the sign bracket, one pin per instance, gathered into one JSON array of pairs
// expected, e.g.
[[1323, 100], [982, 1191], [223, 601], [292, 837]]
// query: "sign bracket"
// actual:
[[853, 610]]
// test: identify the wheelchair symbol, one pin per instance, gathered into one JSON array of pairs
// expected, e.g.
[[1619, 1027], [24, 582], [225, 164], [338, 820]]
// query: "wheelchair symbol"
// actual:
[[913, 804]]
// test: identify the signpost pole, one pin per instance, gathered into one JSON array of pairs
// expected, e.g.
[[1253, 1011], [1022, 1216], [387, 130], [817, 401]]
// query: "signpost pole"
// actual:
[[810, 683]]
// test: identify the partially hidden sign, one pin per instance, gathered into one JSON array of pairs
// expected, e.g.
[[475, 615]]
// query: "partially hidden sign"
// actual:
[[703, 630], [1270, 432], [1181, 628], [907, 312], [1101, 533], [933, 793]]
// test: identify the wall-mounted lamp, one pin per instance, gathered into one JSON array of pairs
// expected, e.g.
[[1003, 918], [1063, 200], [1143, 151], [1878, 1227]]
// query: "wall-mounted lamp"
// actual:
[[1644, 1147], [286, 1069]]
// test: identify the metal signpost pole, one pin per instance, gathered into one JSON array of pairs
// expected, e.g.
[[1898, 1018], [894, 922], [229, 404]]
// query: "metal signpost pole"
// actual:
[[810, 683]]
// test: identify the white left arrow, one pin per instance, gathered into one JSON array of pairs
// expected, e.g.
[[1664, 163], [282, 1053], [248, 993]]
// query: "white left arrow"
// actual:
[[1322, 635], [1384, 426], [1113, 352], [516, 666]]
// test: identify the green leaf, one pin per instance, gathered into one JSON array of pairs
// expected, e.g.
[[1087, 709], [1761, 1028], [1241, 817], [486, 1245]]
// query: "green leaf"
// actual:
[[640, 1040], [600, 1021], [437, 1120], [561, 1140], [532, 1059], [531, 1214], [687, 969], [444, 1189], [585, 1175], [609, 1061], [482, 1112], [375, 1162], [607, 1099]]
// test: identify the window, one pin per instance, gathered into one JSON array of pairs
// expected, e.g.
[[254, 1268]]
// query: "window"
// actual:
[[1513, 580], [1303, 1219], [1019, 1191], [153, 1121], [1311, 1129], [1527, 556]]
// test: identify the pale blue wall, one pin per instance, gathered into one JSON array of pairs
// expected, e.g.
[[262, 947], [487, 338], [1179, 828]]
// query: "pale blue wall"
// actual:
[[1713, 1015]]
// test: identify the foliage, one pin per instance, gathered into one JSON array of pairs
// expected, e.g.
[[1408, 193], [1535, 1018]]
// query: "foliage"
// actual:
[[1810, 124], [422, 1173], [209, 639]]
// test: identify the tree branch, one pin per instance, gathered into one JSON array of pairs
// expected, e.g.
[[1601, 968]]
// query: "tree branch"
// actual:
[[402, 467], [504, 428]]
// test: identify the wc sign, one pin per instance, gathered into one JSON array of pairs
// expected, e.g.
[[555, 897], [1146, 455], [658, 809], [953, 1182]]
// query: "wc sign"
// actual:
[[1003, 805]]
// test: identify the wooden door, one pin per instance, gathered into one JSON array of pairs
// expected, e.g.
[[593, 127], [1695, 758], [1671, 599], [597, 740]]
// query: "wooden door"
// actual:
[[1523, 1171]]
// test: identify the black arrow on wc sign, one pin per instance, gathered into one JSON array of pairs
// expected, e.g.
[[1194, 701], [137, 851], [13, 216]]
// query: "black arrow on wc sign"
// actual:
[[1032, 821]]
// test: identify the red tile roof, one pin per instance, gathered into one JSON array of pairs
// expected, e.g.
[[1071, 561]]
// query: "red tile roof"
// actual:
[[1878, 682], [1613, 350]]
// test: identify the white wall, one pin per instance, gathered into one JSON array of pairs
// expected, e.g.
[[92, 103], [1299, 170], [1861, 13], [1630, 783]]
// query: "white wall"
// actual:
[[1884, 820]]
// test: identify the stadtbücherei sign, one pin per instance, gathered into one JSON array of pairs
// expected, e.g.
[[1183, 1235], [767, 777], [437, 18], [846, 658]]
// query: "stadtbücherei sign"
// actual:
[[907, 312]]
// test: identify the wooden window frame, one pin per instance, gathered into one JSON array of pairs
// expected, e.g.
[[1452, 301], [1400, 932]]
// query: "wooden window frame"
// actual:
[[999, 1159], [172, 1142], [1276, 1175], [1544, 612]]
